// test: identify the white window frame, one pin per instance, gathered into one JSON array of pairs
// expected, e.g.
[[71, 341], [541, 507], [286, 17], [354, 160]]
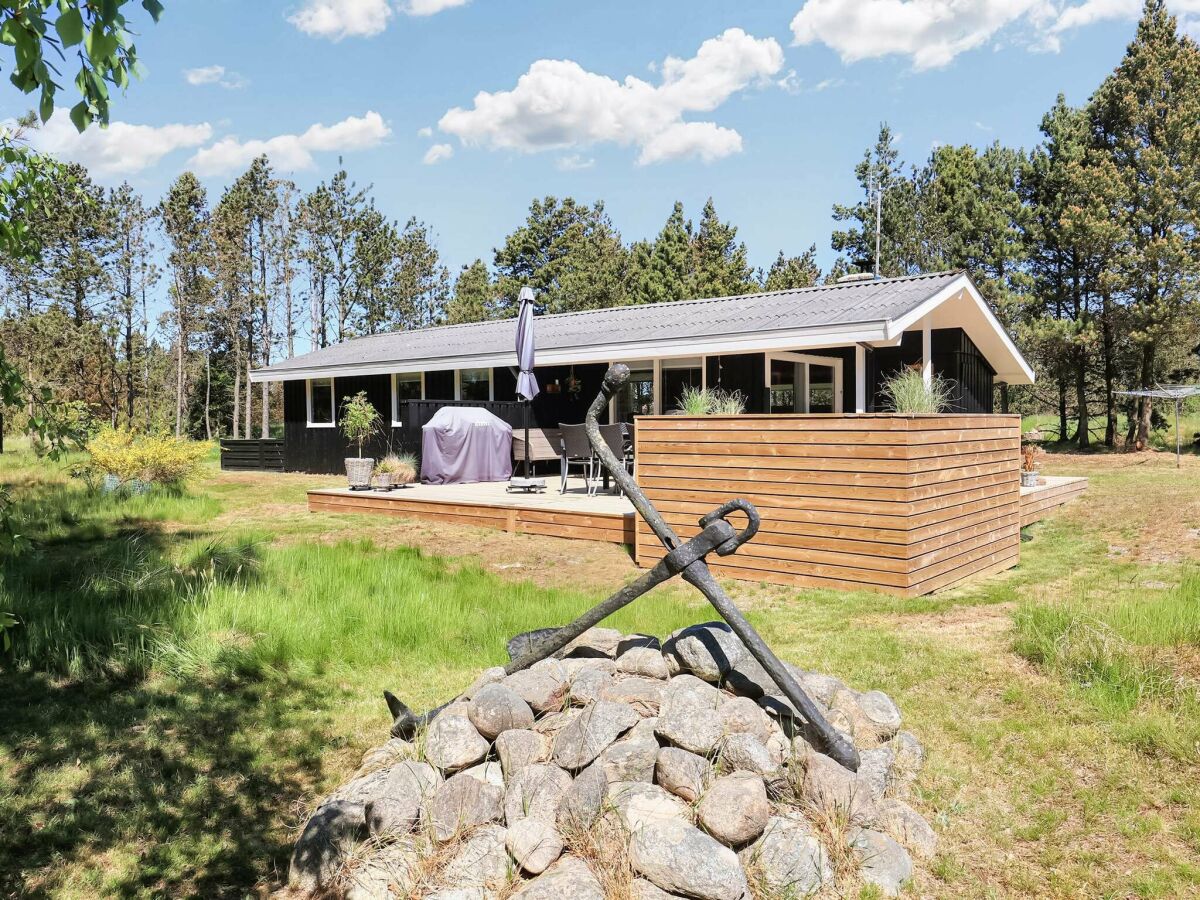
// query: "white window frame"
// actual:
[[809, 359], [458, 382], [308, 402], [396, 422], [657, 364]]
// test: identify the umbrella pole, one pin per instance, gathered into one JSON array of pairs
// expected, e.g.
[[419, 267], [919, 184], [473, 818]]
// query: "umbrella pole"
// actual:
[[527, 438]]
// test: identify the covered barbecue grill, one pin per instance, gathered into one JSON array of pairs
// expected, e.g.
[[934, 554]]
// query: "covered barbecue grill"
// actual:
[[464, 445]]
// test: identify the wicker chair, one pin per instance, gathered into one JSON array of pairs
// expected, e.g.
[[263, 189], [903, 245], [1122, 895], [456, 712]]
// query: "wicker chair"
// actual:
[[576, 451]]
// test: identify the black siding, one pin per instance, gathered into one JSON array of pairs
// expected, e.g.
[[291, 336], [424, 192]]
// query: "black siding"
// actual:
[[955, 358], [741, 372]]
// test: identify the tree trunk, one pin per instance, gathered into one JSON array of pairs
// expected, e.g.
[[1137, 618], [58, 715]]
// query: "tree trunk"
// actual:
[[249, 400], [207, 394], [1082, 437], [237, 390], [1063, 425], [179, 385], [1110, 404], [1144, 405]]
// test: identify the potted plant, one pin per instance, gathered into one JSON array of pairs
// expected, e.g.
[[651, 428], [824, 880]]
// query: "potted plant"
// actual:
[[360, 420], [399, 470], [1029, 471]]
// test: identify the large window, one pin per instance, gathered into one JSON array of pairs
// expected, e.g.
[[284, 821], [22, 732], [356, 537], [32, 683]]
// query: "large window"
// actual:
[[321, 412], [804, 383], [475, 385], [677, 376], [405, 386], [636, 398]]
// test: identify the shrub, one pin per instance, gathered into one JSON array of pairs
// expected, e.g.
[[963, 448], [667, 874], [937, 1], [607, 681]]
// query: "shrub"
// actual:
[[160, 459], [711, 402], [360, 419], [401, 466], [906, 392]]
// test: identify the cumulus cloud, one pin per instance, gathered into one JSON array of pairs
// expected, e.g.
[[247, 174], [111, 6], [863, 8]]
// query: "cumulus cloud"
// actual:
[[573, 163], [437, 153], [933, 32], [430, 7], [425, 132], [292, 151], [119, 149], [558, 104], [337, 19], [218, 75]]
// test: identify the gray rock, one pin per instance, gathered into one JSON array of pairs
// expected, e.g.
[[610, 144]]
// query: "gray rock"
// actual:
[[535, 792], [494, 675], [385, 755], [387, 872], [638, 804], [741, 715], [881, 712], [644, 730], [576, 664], [363, 789], [583, 800], [595, 642], [641, 889], [588, 686], [463, 803], [481, 861], [452, 743], [690, 714], [789, 858], [488, 772], [519, 748], [708, 651], [818, 686], [885, 863], [543, 685], [683, 860], [534, 844], [552, 723], [875, 768], [630, 759], [837, 792], [632, 641], [910, 754], [496, 709], [568, 879], [746, 753], [590, 732], [647, 661], [396, 809], [458, 893], [904, 824], [735, 808], [643, 694], [749, 679], [327, 836], [683, 773]]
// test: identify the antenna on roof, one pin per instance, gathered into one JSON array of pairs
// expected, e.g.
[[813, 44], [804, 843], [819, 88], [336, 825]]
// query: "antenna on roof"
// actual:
[[877, 191]]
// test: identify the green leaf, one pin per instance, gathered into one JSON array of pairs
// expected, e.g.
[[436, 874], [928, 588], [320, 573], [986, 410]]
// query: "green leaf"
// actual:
[[81, 118], [46, 107], [70, 27], [154, 7]]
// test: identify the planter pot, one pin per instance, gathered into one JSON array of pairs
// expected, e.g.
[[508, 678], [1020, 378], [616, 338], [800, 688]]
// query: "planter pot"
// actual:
[[358, 472], [383, 481], [1029, 479]]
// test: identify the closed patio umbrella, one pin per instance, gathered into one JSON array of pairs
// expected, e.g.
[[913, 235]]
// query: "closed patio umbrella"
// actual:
[[527, 386]]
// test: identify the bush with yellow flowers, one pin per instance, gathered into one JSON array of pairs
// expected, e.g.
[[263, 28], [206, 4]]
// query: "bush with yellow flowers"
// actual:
[[158, 459]]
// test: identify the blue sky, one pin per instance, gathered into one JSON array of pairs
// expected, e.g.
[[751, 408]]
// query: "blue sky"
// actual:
[[766, 106]]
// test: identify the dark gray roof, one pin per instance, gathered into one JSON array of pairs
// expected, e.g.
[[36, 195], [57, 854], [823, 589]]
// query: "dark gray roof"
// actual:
[[823, 305]]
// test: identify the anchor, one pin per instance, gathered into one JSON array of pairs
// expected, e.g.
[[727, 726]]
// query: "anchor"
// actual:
[[684, 558]]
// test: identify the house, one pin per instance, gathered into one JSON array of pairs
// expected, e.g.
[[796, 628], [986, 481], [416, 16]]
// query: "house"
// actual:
[[827, 348]]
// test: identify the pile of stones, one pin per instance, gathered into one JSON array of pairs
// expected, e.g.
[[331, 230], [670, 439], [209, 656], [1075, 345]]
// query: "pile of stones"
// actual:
[[626, 767]]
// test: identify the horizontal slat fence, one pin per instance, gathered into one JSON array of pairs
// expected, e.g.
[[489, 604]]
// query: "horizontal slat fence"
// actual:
[[252, 455], [900, 504]]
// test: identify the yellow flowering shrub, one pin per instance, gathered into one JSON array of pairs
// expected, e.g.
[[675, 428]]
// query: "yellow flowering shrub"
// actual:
[[162, 459]]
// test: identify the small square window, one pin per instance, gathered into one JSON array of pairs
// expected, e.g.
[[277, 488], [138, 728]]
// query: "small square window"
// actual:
[[475, 385], [320, 402]]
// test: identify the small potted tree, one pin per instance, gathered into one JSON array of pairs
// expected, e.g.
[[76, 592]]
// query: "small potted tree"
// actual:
[[360, 421], [1029, 469]]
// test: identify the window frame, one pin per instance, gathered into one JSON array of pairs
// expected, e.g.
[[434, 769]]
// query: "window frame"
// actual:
[[395, 381], [491, 379], [308, 403], [808, 360]]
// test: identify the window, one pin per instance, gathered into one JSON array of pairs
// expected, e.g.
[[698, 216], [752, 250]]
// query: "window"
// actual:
[[678, 374], [804, 383], [636, 398], [320, 403], [406, 386], [474, 385]]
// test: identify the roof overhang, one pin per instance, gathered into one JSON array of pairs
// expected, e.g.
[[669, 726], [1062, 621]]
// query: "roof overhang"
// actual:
[[957, 305]]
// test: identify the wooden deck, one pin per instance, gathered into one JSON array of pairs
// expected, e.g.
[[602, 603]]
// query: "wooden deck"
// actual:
[[573, 514], [1038, 502]]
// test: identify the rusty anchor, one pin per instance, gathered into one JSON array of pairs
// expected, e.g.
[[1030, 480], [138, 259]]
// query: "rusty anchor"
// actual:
[[683, 558]]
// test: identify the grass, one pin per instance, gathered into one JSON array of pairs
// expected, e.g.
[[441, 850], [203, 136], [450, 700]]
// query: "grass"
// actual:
[[191, 671]]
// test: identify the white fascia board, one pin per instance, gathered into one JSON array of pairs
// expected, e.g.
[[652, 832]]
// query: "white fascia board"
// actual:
[[897, 327], [752, 342]]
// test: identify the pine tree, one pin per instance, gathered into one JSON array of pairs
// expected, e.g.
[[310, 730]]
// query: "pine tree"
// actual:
[[721, 267], [473, 295], [791, 272], [133, 274], [670, 270]]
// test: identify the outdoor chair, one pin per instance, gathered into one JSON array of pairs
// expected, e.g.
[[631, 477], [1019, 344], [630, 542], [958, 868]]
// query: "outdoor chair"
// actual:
[[614, 436], [576, 451]]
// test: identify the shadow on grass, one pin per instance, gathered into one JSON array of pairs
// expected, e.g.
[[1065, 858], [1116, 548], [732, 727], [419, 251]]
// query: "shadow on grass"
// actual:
[[152, 788]]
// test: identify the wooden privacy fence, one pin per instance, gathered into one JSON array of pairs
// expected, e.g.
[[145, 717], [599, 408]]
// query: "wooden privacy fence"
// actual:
[[900, 504], [252, 455]]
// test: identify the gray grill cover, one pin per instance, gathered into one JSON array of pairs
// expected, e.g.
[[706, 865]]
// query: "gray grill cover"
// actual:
[[464, 445]]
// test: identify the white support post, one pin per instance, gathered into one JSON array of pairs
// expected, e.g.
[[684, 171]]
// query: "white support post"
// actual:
[[927, 352], [860, 378]]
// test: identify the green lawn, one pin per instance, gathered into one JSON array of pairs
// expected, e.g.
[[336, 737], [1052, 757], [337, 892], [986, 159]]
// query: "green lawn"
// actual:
[[191, 672]]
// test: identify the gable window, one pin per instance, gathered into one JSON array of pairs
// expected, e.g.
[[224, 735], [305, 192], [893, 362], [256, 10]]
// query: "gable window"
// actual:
[[405, 386], [320, 403], [473, 384]]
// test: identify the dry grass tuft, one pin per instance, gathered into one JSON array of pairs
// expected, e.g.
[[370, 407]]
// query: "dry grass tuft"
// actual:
[[605, 848]]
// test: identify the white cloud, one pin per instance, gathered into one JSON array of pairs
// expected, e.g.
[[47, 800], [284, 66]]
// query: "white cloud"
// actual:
[[425, 132], [430, 7], [214, 75], [558, 104], [337, 19], [119, 149], [573, 163], [292, 151], [437, 153]]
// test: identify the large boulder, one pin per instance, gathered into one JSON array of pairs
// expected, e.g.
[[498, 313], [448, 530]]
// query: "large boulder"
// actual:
[[570, 877], [630, 759], [583, 800], [535, 793], [543, 685], [397, 807], [837, 792], [682, 772], [496, 708], [590, 732], [884, 863], [638, 804], [481, 861], [461, 804], [708, 651], [519, 748], [453, 743], [328, 835], [735, 809], [643, 694], [681, 859], [902, 823], [789, 858], [534, 844]]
